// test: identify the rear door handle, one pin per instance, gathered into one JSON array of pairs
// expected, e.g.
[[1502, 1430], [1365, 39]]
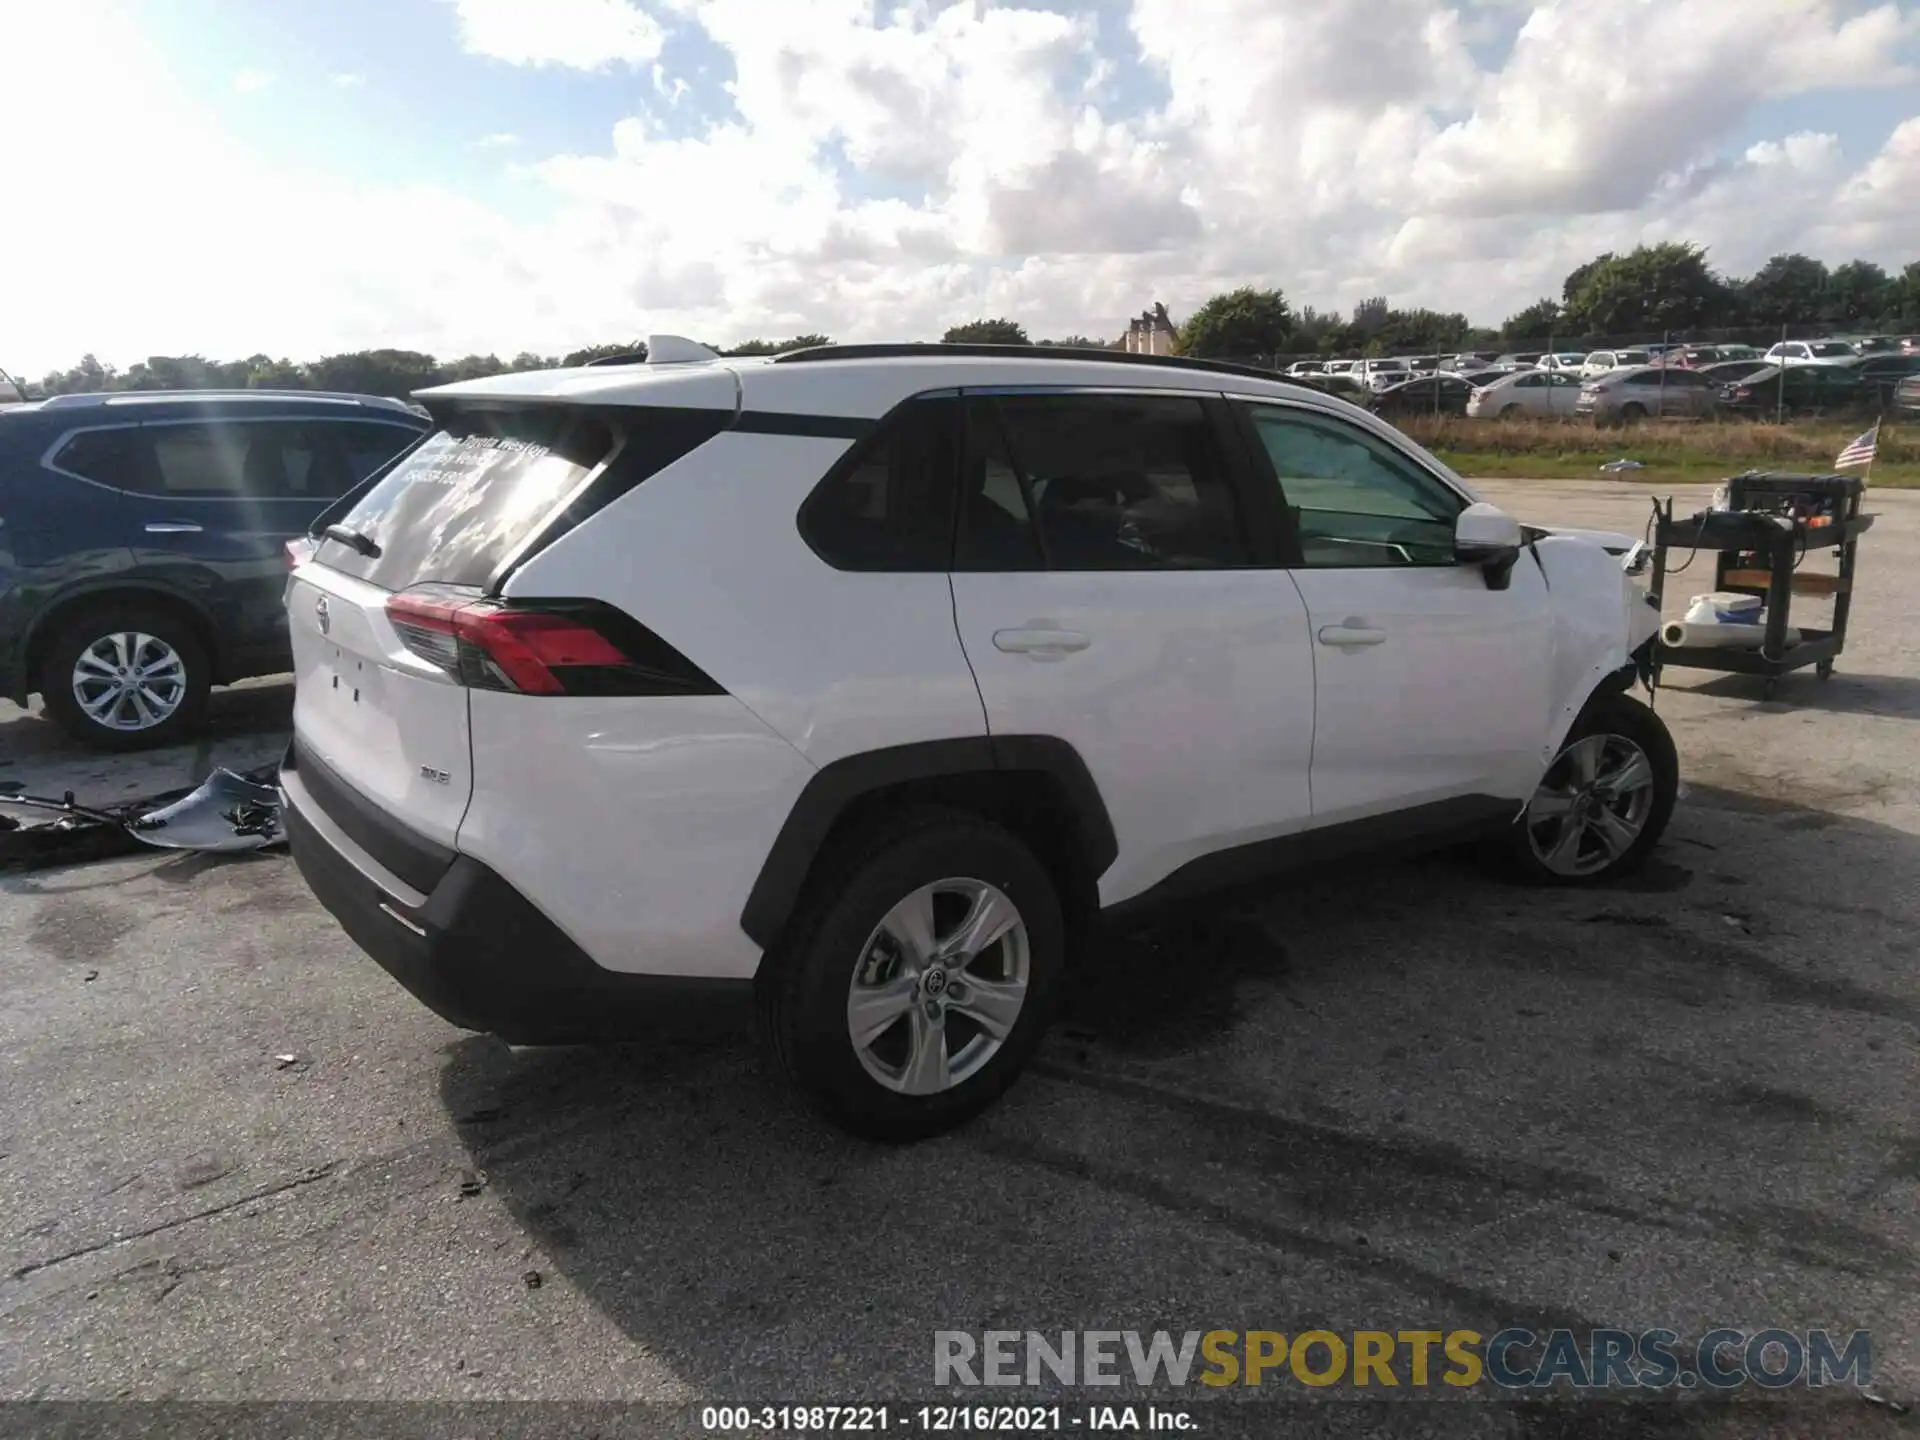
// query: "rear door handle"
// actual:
[[1038, 640], [172, 527], [1353, 633]]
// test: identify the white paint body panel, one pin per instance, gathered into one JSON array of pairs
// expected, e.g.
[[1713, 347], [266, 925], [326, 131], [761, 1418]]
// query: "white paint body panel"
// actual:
[[637, 826], [372, 709], [1192, 703], [1449, 704], [707, 554]]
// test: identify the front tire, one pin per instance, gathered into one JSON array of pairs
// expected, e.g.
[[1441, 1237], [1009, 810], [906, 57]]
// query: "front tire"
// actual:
[[122, 676], [918, 977], [1604, 802]]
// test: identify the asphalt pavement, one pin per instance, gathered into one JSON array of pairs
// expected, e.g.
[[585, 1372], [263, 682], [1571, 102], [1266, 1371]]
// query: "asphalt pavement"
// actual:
[[239, 1163]]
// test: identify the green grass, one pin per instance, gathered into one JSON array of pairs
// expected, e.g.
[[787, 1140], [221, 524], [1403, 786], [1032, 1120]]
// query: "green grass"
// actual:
[[1679, 452]]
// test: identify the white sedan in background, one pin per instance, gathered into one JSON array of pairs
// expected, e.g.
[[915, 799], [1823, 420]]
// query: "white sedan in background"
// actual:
[[1569, 361], [1526, 392]]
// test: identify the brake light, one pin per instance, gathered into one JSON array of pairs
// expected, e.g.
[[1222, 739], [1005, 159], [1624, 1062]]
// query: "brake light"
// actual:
[[1743, 392], [557, 648]]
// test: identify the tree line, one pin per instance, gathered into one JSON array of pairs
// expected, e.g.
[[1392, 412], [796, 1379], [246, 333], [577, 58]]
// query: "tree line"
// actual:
[[1647, 291]]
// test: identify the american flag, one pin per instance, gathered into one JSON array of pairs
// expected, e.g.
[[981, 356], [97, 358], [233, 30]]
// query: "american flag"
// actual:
[[1860, 451]]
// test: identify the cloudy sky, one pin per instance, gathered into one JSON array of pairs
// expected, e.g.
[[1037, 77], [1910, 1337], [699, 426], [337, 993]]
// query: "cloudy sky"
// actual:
[[234, 176]]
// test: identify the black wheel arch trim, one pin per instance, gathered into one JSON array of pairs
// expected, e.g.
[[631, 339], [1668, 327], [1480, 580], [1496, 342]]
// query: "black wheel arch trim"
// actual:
[[835, 788]]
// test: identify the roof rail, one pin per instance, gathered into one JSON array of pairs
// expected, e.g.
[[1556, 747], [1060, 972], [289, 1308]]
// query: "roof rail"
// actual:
[[928, 351], [176, 397]]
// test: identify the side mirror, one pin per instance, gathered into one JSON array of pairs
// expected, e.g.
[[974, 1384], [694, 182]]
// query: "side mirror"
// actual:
[[1485, 535]]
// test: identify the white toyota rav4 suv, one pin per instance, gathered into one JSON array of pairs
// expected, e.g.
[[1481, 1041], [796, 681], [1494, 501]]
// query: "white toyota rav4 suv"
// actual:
[[862, 682]]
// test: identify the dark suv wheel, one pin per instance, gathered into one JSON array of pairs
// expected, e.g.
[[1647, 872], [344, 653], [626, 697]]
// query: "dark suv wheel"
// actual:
[[918, 977], [121, 676]]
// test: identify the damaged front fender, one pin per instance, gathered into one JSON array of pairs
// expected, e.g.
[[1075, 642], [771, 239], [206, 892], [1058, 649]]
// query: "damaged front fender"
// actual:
[[1604, 626]]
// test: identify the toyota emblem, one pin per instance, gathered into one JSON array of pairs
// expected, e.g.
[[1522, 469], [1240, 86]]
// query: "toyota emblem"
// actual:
[[323, 615]]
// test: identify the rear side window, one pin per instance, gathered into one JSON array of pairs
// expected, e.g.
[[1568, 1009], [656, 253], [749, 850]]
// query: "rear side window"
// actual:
[[1096, 482], [487, 483], [366, 446], [107, 457], [888, 504]]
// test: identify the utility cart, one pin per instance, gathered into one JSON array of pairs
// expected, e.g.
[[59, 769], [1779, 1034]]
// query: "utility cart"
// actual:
[[1770, 525]]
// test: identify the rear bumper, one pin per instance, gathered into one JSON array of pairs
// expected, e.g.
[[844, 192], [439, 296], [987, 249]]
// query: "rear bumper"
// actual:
[[478, 954]]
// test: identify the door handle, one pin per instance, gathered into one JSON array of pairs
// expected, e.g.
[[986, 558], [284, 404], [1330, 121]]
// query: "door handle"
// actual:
[[172, 527], [1038, 640], [1354, 632]]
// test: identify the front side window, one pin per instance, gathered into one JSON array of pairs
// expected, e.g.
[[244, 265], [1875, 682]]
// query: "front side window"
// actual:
[[1095, 482], [1356, 502]]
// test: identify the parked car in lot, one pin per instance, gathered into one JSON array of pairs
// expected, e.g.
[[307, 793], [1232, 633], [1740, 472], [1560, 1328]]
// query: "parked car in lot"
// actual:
[[1812, 352], [1525, 392], [1379, 374], [1519, 359], [860, 684], [1725, 372], [1599, 362], [1880, 375], [1799, 389], [1906, 397], [1567, 360], [142, 540], [1646, 392], [1474, 360], [1306, 367], [1438, 394]]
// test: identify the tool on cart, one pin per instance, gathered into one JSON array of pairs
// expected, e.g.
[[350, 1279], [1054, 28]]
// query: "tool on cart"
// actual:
[[1761, 529]]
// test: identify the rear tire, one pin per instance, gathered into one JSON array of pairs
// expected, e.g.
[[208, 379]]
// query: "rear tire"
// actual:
[[1588, 821], [125, 676], [1632, 414], [1512, 412], [862, 941]]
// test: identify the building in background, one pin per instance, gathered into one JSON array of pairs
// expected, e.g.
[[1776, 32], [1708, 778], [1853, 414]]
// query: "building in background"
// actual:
[[1151, 332]]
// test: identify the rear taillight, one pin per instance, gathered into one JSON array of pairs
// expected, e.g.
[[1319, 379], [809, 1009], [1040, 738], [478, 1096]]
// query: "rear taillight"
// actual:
[[549, 648], [1743, 392]]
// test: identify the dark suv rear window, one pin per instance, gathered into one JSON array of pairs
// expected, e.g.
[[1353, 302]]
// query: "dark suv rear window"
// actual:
[[458, 508]]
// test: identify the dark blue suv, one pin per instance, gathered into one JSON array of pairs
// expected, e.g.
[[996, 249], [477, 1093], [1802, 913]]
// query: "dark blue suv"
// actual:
[[143, 538]]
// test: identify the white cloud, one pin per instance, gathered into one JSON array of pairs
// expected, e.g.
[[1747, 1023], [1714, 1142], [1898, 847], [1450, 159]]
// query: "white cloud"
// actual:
[[578, 34], [348, 80], [886, 177], [250, 81]]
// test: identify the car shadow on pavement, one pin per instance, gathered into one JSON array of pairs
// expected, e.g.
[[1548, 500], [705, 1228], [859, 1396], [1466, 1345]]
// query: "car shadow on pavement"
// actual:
[[1161, 1176], [1846, 693]]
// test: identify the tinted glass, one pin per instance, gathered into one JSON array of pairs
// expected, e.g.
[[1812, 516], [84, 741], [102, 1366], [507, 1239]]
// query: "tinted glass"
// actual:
[[213, 460], [1530, 382], [1832, 350], [366, 446], [487, 481], [1356, 502], [888, 506], [1107, 482], [111, 457]]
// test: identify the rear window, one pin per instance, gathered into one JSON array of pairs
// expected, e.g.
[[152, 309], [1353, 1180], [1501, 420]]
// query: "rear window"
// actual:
[[487, 482]]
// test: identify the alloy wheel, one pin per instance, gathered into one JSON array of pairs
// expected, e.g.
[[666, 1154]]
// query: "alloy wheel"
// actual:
[[1592, 805], [939, 986], [129, 681]]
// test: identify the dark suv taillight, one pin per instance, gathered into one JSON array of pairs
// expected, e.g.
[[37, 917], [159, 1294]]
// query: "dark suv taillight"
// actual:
[[561, 647]]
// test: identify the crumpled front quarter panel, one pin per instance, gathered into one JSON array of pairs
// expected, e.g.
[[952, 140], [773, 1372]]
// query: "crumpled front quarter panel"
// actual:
[[1600, 619]]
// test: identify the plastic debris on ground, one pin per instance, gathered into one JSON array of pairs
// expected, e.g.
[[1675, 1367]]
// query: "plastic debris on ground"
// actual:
[[1615, 467], [226, 813]]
